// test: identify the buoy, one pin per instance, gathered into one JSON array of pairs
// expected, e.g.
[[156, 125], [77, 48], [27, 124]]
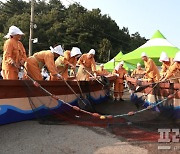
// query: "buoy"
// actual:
[[76, 108], [170, 96], [55, 97], [96, 115], [36, 84], [130, 113], [149, 107], [109, 116], [102, 117]]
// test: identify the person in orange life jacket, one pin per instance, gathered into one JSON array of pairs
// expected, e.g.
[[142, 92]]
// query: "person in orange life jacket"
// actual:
[[69, 59], [87, 64], [35, 63], [166, 63], [151, 70], [174, 69], [101, 71], [121, 73], [14, 54], [139, 72]]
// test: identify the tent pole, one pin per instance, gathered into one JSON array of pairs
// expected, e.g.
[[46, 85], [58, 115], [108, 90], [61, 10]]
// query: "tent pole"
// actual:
[[109, 54]]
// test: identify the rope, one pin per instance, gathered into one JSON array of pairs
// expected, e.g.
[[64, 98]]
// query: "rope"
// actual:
[[139, 111], [96, 114], [56, 97], [149, 107]]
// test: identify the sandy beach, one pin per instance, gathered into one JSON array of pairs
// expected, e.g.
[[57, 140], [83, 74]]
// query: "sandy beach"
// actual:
[[32, 137]]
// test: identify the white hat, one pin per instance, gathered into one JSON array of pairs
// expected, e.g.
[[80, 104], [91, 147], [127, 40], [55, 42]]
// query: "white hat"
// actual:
[[13, 30], [143, 54], [118, 65], [138, 64], [58, 49], [91, 52], [177, 57], [75, 51], [163, 57], [121, 63], [101, 65]]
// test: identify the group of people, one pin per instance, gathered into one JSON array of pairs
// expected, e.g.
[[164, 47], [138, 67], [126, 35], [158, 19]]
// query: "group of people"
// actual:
[[58, 63], [55, 60], [170, 70]]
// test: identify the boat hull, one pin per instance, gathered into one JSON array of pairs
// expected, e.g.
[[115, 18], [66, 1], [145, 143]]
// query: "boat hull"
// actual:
[[159, 92], [21, 100]]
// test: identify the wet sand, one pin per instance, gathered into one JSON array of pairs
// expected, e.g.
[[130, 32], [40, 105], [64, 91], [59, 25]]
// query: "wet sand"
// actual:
[[31, 137]]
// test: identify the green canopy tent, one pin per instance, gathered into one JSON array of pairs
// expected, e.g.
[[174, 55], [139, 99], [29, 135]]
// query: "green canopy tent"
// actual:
[[153, 49], [110, 65]]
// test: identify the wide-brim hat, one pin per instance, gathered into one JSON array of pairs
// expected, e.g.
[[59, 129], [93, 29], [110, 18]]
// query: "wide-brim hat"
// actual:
[[163, 57], [91, 52], [58, 49], [75, 51], [177, 57], [13, 30]]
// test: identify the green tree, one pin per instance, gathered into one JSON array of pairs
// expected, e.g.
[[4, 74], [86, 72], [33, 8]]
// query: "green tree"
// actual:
[[71, 26], [1, 43], [136, 40], [104, 49]]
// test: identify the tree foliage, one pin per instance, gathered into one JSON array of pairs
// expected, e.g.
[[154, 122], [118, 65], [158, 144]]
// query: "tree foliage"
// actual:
[[68, 26]]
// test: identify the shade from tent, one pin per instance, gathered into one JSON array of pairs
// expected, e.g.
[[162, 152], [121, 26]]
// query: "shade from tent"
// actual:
[[153, 48]]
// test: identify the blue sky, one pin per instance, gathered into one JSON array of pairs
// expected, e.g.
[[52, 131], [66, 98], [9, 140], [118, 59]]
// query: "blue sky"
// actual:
[[143, 16]]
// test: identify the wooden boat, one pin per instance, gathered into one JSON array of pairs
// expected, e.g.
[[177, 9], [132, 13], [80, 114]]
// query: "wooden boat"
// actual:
[[158, 92], [20, 99]]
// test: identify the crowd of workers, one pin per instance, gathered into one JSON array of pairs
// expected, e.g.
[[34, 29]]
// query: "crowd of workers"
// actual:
[[53, 64]]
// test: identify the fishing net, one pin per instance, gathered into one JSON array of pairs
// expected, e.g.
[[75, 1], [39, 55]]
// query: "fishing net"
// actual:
[[57, 112]]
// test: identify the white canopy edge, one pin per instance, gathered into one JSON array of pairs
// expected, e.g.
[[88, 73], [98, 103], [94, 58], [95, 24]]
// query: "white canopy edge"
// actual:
[[157, 42], [112, 60]]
